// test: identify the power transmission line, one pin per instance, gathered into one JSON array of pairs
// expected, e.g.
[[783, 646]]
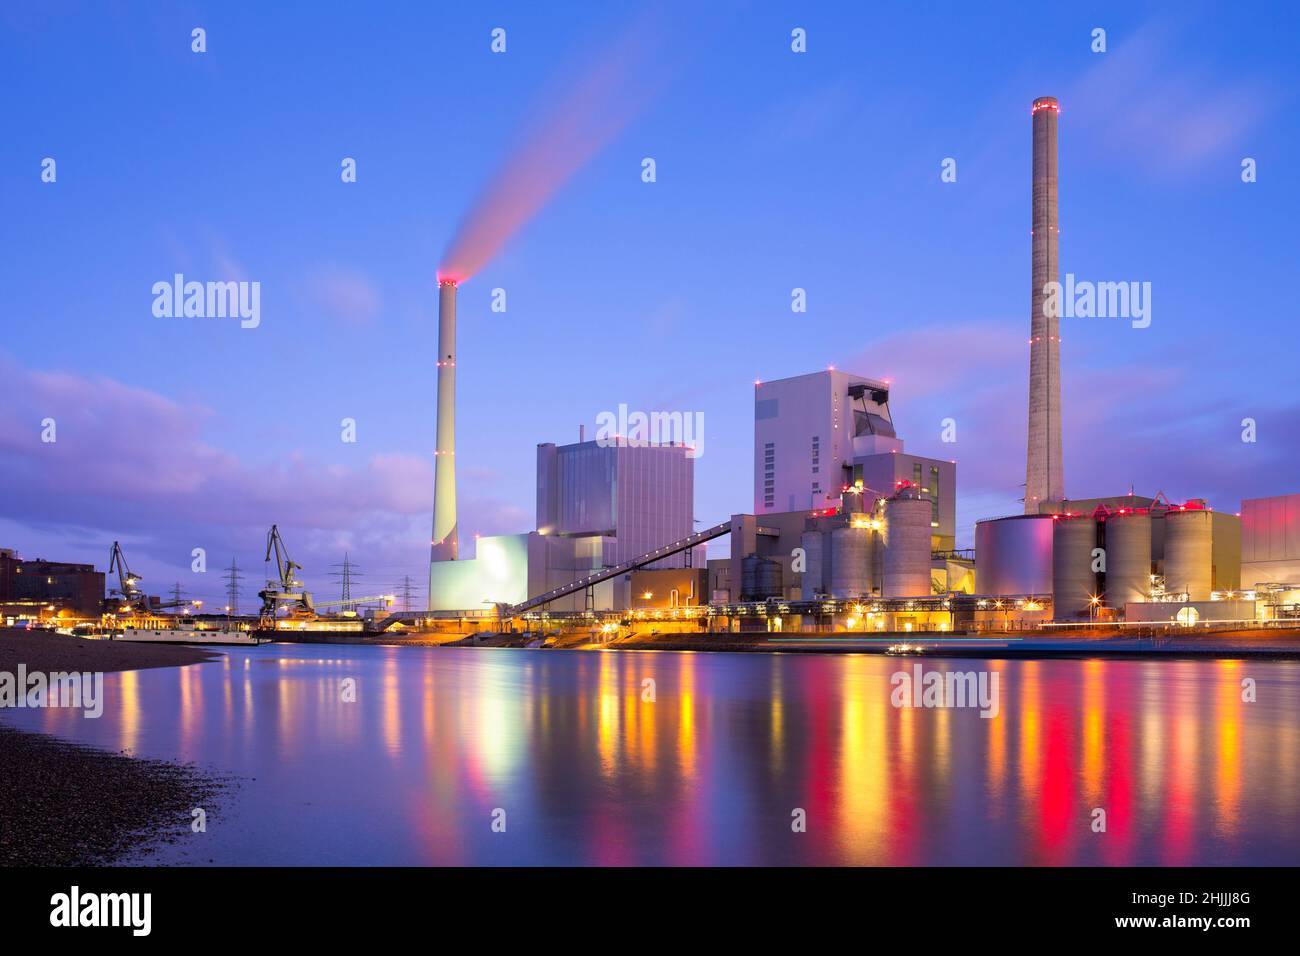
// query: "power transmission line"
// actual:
[[349, 572], [233, 589], [406, 589]]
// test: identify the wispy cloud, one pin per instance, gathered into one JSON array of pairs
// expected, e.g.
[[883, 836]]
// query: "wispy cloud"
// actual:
[[342, 293], [131, 464], [1145, 103]]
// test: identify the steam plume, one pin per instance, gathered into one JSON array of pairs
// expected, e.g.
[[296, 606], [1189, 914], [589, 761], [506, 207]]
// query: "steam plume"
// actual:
[[572, 129]]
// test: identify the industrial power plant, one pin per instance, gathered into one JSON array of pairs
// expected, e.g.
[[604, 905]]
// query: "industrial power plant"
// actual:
[[848, 531]]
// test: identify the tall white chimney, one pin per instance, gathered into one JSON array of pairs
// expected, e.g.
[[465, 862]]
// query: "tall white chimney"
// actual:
[[1044, 477], [444, 473]]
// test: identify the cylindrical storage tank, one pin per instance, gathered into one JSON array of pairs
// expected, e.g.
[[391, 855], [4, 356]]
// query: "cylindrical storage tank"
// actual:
[[748, 569], [760, 578], [850, 562], [907, 548], [813, 581], [1074, 583], [1128, 558], [768, 579], [1013, 556], [1187, 553]]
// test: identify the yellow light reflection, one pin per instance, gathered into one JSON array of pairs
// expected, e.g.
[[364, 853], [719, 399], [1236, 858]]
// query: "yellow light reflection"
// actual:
[[129, 733], [863, 767], [1227, 717], [607, 713], [686, 718], [1031, 732], [1094, 724]]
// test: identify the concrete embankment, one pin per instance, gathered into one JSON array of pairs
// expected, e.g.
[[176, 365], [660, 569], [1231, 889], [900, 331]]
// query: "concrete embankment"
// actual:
[[1266, 643], [1239, 643]]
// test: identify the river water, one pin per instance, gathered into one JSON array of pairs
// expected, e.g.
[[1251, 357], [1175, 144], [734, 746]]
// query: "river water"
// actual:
[[480, 756]]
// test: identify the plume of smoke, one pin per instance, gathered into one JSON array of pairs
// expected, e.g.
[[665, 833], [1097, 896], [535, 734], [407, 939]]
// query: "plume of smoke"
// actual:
[[569, 131]]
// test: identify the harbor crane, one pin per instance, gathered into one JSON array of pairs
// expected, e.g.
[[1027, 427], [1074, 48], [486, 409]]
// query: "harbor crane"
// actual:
[[286, 591], [127, 582], [128, 586]]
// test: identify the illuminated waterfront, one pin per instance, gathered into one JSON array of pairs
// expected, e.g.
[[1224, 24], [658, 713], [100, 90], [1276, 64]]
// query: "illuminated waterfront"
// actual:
[[589, 772]]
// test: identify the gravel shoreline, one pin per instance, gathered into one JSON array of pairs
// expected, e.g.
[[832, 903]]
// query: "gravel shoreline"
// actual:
[[64, 804], [47, 651]]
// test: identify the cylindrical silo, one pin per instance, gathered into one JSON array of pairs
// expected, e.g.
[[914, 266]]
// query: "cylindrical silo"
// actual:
[[1074, 584], [748, 576], [1128, 558], [877, 548], [907, 548], [768, 579], [1187, 553], [850, 562], [1013, 556], [813, 580], [760, 578]]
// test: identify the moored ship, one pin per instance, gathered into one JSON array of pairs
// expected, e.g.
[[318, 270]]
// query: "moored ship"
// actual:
[[187, 632]]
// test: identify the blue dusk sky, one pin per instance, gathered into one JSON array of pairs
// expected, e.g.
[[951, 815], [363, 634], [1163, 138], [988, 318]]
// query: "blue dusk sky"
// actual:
[[775, 170]]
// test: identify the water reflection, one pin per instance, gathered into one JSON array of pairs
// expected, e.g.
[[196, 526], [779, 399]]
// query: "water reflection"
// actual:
[[592, 764]]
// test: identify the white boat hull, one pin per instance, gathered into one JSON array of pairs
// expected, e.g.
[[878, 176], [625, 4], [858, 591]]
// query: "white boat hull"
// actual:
[[165, 635]]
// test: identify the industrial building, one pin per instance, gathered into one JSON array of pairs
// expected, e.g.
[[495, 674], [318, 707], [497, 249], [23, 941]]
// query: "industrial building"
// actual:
[[1123, 558], [879, 519], [817, 434], [40, 588], [868, 545], [632, 497], [1270, 554], [851, 532], [842, 514], [1100, 558], [669, 588], [1146, 551], [599, 504], [1270, 541]]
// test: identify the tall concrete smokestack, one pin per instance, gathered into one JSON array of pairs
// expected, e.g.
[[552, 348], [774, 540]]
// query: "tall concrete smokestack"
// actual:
[[1043, 477], [444, 473]]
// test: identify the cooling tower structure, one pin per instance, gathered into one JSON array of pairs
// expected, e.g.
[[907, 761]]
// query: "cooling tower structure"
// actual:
[[1043, 476], [1074, 584], [444, 469], [907, 547], [1128, 557], [1188, 557]]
